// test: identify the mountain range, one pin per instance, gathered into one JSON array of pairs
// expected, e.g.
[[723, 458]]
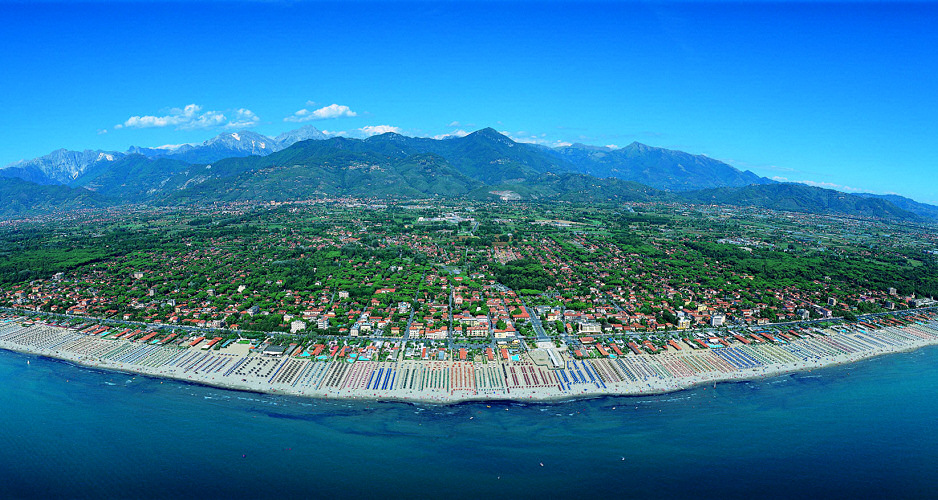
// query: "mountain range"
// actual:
[[21, 197], [656, 167], [65, 167], [921, 209], [798, 198], [304, 163]]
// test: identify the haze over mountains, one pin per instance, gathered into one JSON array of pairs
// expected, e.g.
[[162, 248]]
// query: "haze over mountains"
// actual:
[[63, 167], [305, 163], [656, 167]]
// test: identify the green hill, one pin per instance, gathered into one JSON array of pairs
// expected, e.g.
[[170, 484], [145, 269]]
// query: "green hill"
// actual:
[[292, 176], [657, 167], [137, 178], [24, 198], [572, 187], [917, 208], [798, 198]]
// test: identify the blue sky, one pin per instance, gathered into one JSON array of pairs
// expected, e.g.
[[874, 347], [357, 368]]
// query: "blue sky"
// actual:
[[837, 94]]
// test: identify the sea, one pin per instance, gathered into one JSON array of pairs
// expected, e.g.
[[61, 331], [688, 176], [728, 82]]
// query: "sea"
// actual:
[[867, 430]]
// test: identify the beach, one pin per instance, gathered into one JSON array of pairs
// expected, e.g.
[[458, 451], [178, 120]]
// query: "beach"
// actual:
[[451, 381]]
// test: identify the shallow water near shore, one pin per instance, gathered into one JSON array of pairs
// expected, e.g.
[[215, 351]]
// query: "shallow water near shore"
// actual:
[[866, 429]]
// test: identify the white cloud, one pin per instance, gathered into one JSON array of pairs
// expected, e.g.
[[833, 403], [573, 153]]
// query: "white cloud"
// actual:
[[825, 185], [192, 117], [205, 120], [612, 146], [370, 130], [176, 117], [455, 133], [333, 111], [171, 147], [244, 118], [831, 185], [334, 133], [330, 111], [459, 124], [542, 139], [102, 131], [363, 132]]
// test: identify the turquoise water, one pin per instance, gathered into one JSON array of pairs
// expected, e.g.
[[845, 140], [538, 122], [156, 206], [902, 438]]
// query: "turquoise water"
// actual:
[[867, 430]]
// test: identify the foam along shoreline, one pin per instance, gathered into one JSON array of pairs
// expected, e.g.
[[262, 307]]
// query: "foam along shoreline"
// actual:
[[445, 382]]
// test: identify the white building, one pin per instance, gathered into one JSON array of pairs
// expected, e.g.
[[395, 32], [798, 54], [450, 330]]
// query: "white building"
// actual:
[[297, 325], [589, 327], [717, 320]]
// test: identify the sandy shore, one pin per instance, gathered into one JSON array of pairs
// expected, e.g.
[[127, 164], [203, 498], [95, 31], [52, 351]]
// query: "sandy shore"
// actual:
[[445, 382]]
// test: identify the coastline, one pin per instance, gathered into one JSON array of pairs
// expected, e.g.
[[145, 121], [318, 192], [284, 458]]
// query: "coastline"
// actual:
[[453, 382]]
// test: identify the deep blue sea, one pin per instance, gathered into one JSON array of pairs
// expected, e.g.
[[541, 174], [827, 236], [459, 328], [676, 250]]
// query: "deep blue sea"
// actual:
[[867, 430]]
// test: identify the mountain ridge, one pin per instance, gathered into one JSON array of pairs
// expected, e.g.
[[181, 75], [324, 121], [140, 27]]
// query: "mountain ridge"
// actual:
[[908, 204], [662, 168], [58, 167], [795, 197], [63, 166], [474, 154], [482, 165], [21, 197]]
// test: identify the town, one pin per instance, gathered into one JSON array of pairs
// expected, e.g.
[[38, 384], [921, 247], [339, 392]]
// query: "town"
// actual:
[[418, 280]]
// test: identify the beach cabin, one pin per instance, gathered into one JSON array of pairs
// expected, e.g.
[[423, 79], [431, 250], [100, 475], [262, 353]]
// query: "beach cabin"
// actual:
[[275, 350], [742, 339], [149, 336], [634, 348], [208, 345]]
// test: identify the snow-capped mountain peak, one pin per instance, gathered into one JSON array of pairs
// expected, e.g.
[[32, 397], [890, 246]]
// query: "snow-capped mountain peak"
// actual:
[[62, 166]]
